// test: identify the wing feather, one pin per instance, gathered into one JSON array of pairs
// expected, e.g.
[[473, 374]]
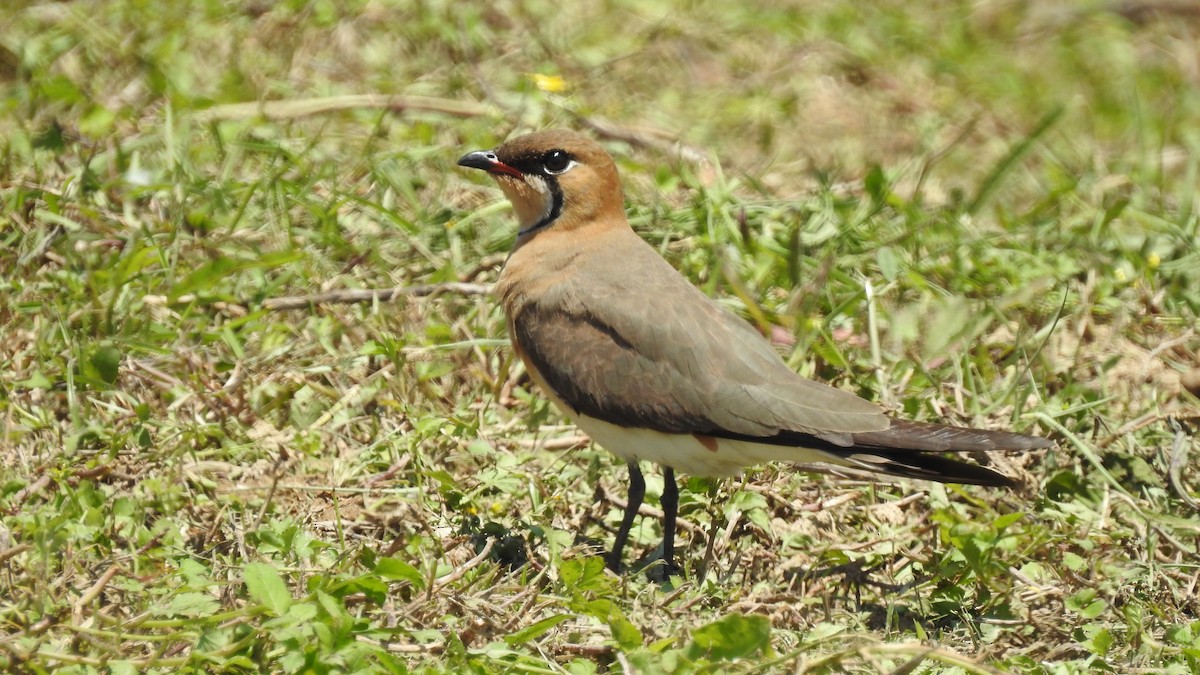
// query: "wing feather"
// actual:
[[664, 356]]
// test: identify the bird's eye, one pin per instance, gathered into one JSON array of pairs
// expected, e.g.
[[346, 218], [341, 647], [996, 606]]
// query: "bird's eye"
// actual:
[[557, 161]]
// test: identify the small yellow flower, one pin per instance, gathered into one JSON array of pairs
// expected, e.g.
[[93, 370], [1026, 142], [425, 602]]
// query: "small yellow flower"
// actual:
[[551, 84], [1153, 261], [1119, 274]]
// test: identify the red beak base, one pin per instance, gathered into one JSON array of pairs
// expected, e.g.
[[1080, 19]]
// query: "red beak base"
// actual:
[[489, 162]]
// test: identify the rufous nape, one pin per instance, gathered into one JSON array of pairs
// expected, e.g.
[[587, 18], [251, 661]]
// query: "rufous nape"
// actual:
[[654, 370]]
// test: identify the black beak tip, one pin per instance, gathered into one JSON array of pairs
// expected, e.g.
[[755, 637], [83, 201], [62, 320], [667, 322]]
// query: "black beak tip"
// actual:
[[479, 159]]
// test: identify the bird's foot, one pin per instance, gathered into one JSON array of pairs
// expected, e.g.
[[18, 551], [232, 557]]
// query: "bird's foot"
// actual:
[[657, 568], [661, 571], [591, 545], [652, 565]]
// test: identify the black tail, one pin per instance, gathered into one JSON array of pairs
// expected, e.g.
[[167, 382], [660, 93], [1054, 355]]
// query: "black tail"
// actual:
[[906, 449], [926, 466], [912, 450]]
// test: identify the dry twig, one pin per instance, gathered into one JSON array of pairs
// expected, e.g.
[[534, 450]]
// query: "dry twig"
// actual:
[[1179, 456], [306, 107], [654, 139], [350, 296]]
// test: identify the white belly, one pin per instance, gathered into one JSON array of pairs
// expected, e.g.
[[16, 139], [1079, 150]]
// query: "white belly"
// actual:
[[698, 456]]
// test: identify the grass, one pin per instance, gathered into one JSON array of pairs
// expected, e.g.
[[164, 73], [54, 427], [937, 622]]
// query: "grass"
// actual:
[[979, 212]]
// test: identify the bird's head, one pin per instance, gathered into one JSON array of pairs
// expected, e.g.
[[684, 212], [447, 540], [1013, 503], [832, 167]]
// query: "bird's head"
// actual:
[[555, 179]]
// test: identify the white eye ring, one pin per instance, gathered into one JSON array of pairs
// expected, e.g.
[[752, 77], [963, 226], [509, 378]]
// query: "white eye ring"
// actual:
[[570, 164], [554, 157]]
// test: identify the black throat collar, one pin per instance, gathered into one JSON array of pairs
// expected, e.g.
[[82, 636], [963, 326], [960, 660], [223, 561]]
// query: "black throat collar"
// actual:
[[556, 203]]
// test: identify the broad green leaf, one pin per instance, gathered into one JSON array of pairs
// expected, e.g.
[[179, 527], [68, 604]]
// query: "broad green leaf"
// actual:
[[626, 635], [733, 637], [395, 569], [1074, 561], [1093, 610], [192, 604], [1007, 519], [266, 586], [581, 667], [334, 608], [876, 184], [122, 668], [36, 380], [582, 574], [537, 629], [1102, 641], [107, 362], [889, 264], [204, 277]]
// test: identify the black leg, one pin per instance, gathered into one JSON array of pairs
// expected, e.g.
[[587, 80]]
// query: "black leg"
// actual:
[[637, 491], [670, 505]]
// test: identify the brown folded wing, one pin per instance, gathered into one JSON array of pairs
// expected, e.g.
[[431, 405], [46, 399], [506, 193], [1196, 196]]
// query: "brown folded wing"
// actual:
[[651, 351]]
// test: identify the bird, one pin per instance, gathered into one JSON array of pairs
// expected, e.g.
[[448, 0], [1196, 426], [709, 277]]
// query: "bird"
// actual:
[[654, 370]]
